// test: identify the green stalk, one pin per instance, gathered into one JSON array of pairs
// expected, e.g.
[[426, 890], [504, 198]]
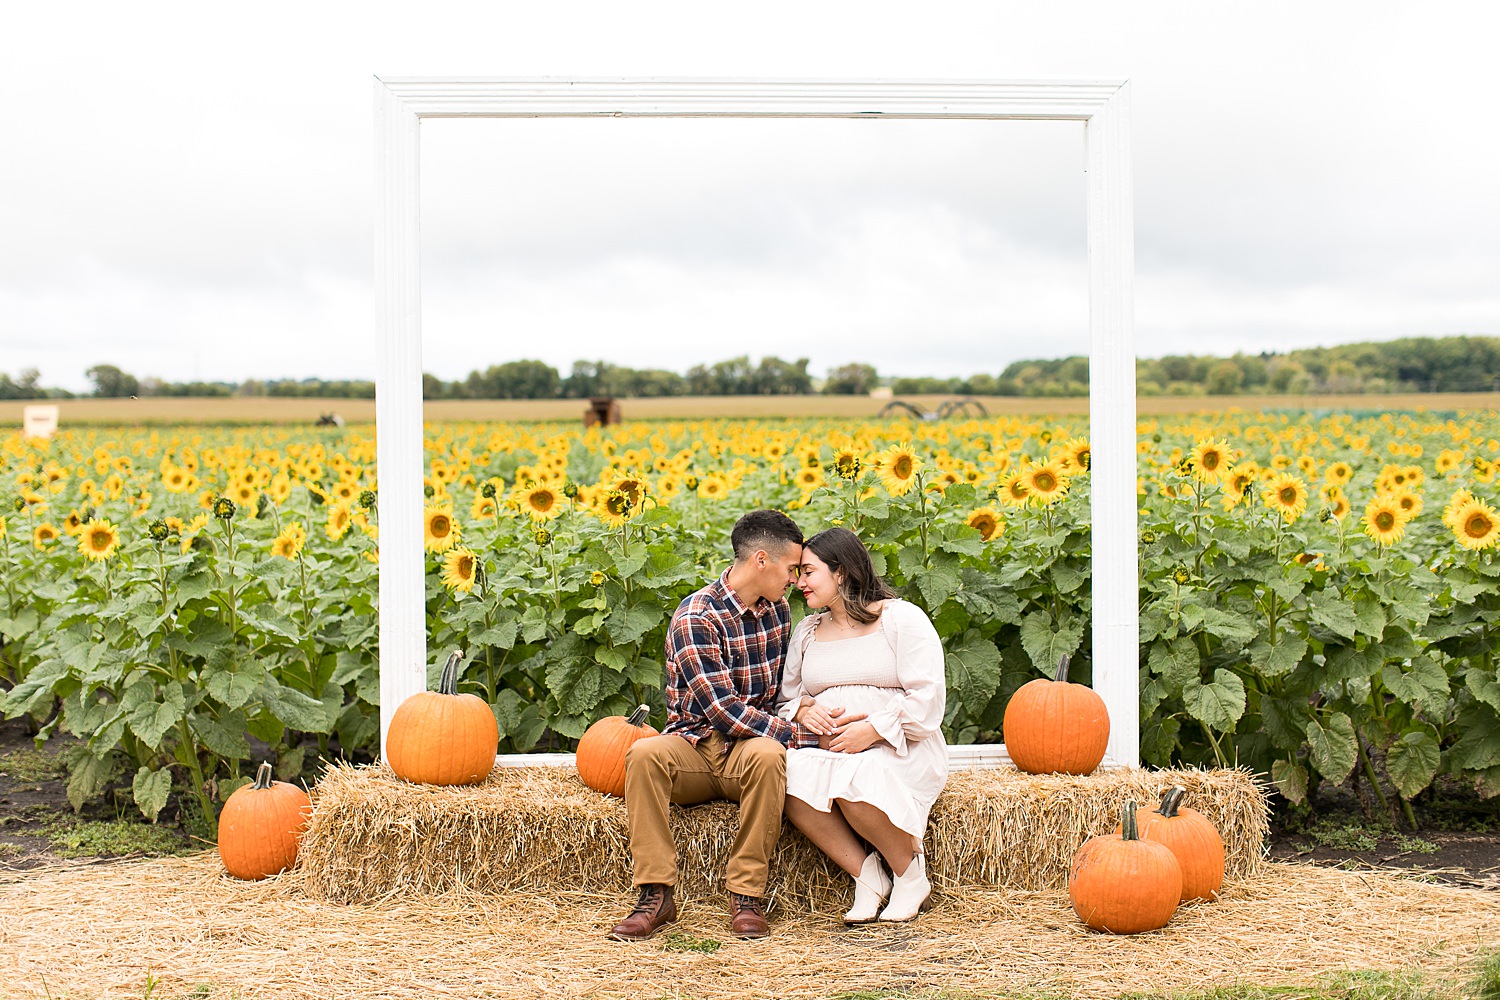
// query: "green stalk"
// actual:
[[306, 610], [1369, 769], [190, 750], [922, 525]]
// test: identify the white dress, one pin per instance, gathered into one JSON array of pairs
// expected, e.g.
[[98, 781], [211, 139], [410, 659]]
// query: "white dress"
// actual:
[[896, 675]]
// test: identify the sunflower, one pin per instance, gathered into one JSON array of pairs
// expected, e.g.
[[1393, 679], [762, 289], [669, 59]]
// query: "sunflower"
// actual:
[[1078, 456], [1338, 474], [176, 480], [288, 544], [1383, 520], [338, 521], [1238, 481], [73, 523], [713, 487], [439, 530], [1410, 503], [483, 508], [986, 521], [943, 480], [1475, 525], [668, 486], [1045, 483], [1210, 460], [2, 527], [1339, 506], [460, 569], [898, 466], [1460, 497], [1286, 495], [98, 540], [43, 535], [809, 479], [1013, 490], [541, 501], [847, 463], [634, 487], [613, 507]]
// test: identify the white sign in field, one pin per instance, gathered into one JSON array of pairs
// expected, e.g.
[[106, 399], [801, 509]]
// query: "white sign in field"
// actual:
[[1102, 107], [39, 421]]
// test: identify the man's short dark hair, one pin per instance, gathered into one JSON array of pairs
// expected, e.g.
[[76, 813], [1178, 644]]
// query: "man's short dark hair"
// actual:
[[764, 529]]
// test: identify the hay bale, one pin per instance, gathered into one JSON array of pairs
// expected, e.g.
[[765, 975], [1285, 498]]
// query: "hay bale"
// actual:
[[540, 830]]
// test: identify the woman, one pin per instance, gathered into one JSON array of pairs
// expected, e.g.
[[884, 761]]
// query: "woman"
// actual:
[[872, 781]]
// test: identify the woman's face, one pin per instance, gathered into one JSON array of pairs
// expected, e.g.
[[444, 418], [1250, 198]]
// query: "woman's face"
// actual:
[[818, 583]]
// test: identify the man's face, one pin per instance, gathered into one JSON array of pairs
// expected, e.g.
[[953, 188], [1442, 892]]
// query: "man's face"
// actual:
[[777, 571]]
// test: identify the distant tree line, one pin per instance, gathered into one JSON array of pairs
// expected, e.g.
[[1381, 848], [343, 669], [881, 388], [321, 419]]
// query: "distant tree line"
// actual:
[[739, 376], [1414, 364]]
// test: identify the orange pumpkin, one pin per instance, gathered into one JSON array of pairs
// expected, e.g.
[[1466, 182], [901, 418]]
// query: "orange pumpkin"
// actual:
[[442, 737], [601, 752], [261, 826], [1122, 884], [1191, 837], [1056, 726]]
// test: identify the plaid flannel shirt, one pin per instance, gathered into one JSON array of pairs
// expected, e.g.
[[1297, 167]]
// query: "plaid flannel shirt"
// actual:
[[724, 668]]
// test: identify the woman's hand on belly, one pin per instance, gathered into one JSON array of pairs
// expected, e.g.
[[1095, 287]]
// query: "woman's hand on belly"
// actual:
[[853, 737], [822, 720]]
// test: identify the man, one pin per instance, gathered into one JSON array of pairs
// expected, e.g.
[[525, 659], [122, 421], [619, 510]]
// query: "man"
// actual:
[[723, 740]]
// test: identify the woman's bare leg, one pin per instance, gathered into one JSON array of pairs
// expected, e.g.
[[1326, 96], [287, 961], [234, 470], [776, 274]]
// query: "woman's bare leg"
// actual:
[[893, 843], [829, 833]]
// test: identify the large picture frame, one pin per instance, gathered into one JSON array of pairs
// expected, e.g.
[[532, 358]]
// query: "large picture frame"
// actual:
[[1102, 106]]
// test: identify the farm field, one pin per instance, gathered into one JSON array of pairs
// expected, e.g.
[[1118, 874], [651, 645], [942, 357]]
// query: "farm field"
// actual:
[[1318, 593], [160, 410]]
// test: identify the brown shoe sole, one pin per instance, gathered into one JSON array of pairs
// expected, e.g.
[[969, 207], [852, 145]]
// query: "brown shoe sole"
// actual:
[[613, 935]]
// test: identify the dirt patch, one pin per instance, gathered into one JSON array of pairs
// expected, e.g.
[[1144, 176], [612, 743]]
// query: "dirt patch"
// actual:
[[1456, 858], [38, 826], [33, 788]]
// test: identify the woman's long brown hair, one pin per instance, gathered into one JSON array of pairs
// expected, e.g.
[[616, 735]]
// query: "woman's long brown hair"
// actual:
[[843, 552]]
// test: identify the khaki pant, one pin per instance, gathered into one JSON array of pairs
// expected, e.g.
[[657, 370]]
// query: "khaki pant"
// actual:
[[668, 769]]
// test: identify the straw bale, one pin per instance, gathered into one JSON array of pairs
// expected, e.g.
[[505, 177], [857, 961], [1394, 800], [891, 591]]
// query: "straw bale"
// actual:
[[540, 830], [106, 931]]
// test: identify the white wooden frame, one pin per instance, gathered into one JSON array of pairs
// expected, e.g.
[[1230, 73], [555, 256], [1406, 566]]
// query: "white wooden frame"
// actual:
[[1102, 106]]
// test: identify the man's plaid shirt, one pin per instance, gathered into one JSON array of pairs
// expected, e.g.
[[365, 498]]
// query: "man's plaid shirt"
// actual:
[[724, 668]]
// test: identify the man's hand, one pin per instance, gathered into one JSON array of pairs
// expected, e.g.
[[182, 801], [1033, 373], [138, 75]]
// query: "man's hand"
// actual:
[[822, 721], [853, 737]]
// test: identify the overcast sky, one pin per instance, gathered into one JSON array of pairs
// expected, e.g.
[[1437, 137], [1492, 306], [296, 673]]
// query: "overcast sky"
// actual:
[[185, 189]]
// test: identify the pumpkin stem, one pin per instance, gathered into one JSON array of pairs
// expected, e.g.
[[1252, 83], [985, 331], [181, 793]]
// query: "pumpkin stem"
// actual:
[[1062, 669], [1171, 800], [449, 682], [1128, 830], [639, 716], [263, 776]]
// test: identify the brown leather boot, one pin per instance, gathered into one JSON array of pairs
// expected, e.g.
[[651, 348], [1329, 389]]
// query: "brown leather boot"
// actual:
[[747, 916], [654, 910]]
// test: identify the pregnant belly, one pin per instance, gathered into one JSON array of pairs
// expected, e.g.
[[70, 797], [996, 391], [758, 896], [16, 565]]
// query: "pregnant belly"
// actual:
[[853, 698]]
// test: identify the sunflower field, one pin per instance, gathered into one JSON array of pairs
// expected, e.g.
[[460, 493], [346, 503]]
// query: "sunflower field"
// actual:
[[1317, 592]]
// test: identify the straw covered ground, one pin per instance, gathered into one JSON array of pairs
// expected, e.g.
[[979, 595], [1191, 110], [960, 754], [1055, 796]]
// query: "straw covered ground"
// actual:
[[540, 830], [105, 931]]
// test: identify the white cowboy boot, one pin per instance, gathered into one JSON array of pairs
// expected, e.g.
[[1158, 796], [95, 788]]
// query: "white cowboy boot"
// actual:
[[871, 887], [909, 892]]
